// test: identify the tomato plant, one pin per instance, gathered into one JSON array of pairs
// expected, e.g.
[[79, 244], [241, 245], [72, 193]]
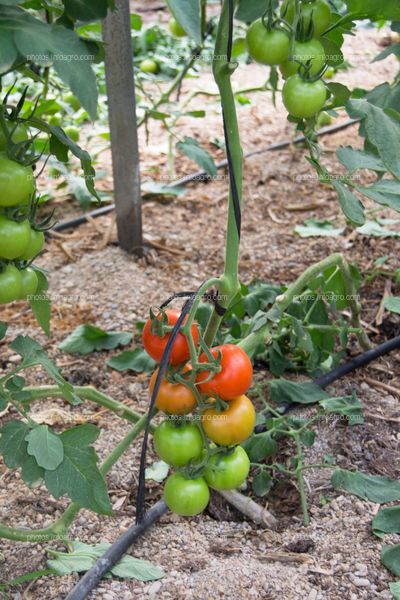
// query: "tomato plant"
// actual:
[[234, 377], [18, 133], [176, 28], [316, 11], [148, 65], [155, 344], [303, 99], [173, 398], [35, 245], [186, 497], [227, 471], [17, 183], [14, 237], [303, 52], [29, 282], [267, 47], [178, 443], [232, 425]]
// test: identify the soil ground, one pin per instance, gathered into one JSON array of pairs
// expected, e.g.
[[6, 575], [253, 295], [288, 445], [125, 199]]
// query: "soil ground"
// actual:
[[219, 554]]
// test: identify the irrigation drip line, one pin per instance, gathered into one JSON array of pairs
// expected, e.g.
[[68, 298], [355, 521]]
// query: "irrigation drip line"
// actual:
[[348, 367], [90, 580], [203, 175]]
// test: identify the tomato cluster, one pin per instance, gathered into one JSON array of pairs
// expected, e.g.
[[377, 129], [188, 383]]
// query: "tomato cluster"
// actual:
[[208, 413], [20, 243], [304, 93]]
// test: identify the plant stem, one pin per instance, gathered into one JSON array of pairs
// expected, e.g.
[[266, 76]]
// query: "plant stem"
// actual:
[[300, 480], [88, 393]]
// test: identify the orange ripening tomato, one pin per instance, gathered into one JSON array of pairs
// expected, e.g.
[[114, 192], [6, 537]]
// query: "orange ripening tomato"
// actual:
[[155, 345], [231, 426], [173, 398], [235, 376]]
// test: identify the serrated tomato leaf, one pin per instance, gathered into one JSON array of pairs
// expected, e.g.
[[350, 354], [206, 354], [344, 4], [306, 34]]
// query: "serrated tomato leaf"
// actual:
[[89, 338]]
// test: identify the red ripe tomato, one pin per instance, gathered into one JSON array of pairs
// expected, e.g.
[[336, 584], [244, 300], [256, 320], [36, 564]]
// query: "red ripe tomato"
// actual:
[[173, 398], [155, 345], [235, 376]]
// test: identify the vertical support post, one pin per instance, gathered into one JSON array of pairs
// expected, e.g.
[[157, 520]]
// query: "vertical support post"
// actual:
[[123, 128]]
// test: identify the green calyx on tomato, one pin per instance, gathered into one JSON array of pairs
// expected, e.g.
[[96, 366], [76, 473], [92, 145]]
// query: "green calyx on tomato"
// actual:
[[10, 284], [234, 377], [17, 182], [303, 99], [29, 283], [186, 497], [318, 12], [309, 53], [14, 237], [18, 132], [231, 426], [148, 65], [173, 398], [34, 247], [268, 47], [178, 443], [155, 344], [176, 28], [227, 471]]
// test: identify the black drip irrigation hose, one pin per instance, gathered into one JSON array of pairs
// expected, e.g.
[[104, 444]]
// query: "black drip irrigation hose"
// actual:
[[202, 175], [324, 380]]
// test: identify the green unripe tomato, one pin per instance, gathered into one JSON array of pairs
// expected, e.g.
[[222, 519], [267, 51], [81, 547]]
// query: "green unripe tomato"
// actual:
[[148, 65], [20, 134], [303, 99], [177, 445], [72, 132], [34, 247], [324, 119], [17, 183], [10, 285], [267, 47], [239, 47], [302, 52], [55, 120], [186, 497], [176, 28], [229, 471], [72, 101], [29, 283], [14, 237], [318, 10]]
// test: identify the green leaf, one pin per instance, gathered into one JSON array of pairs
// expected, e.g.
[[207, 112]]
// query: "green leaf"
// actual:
[[3, 329], [89, 338], [136, 22], [307, 392], [259, 446], [27, 577], [46, 447], [394, 587], [14, 447], [307, 437], [136, 360], [387, 520], [46, 44], [375, 10], [250, 10], [158, 471], [348, 406], [368, 487], [187, 13], [383, 191], [83, 557], [78, 475], [314, 228], [390, 558], [354, 159], [334, 56], [40, 303], [192, 149], [350, 204], [392, 303], [162, 189], [382, 130], [262, 483], [8, 51], [393, 49], [375, 229], [86, 10]]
